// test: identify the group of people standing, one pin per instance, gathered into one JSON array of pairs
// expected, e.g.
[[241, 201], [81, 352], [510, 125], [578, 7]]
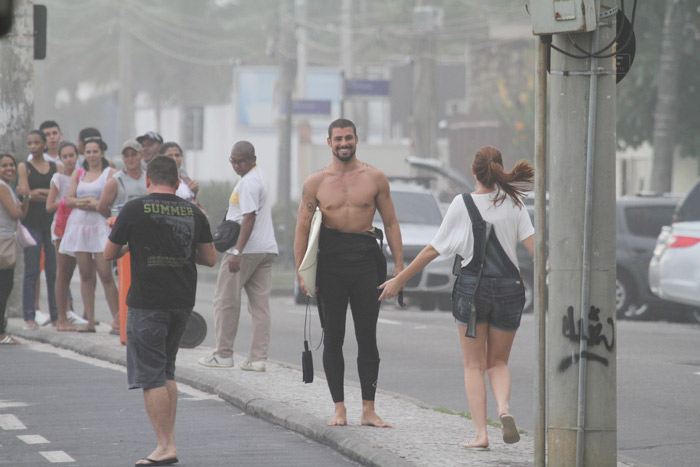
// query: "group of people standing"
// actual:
[[63, 195]]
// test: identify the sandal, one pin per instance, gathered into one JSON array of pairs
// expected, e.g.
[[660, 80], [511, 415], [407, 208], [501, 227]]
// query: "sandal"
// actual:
[[7, 340], [510, 431], [30, 326]]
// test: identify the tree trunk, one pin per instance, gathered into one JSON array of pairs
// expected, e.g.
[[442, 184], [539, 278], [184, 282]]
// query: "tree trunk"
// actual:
[[666, 110], [17, 107]]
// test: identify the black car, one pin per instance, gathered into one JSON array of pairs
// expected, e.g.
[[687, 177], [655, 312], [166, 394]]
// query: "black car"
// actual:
[[639, 221]]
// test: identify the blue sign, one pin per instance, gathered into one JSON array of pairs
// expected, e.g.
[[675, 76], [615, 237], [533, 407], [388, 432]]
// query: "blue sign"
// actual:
[[367, 87], [311, 107]]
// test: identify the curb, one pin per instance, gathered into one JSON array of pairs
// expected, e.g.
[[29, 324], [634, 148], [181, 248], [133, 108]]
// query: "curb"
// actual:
[[249, 401]]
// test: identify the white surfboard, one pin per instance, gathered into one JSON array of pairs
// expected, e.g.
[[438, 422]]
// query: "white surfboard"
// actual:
[[307, 268]]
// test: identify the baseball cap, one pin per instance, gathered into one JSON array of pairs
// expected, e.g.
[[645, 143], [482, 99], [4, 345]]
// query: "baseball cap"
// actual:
[[152, 135], [133, 144]]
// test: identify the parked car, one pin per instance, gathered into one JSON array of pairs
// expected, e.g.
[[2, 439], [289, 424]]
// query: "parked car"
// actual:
[[639, 222], [419, 216], [674, 269]]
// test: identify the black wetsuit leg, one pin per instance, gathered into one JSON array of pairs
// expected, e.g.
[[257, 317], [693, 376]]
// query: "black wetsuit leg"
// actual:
[[354, 281]]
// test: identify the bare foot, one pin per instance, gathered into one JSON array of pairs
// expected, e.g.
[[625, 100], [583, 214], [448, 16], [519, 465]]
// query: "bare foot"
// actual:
[[31, 324], [65, 327], [339, 417], [372, 419]]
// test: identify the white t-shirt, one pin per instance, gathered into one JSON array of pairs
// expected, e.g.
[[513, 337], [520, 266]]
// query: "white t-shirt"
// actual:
[[511, 223], [250, 195]]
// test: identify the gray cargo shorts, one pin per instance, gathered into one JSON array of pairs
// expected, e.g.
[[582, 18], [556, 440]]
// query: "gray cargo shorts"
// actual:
[[152, 341]]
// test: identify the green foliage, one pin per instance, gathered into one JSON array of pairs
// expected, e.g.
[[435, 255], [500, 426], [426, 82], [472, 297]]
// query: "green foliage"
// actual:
[[636, 94]]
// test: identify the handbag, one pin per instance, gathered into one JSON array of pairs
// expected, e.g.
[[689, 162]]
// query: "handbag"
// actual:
[[23, 237], [62, 213], [226, 235], [7, 253]]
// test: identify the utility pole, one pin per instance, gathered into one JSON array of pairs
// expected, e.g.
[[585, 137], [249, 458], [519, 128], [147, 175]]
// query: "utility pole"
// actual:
[[666, 109], [345, 54], [581, 331], [423, 114], [125, 112], [288, 69], [17, 106]]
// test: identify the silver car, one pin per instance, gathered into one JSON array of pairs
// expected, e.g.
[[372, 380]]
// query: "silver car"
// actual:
[[674, 269], [420, 217]]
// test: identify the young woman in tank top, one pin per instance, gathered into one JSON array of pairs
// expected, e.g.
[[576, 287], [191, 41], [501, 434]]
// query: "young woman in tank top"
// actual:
[[65, 264], [86, 232], [34, 179], [11, 209]]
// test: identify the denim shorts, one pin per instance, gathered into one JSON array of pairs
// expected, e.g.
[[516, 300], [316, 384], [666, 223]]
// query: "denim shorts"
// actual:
[[152, 341], [499, 302]]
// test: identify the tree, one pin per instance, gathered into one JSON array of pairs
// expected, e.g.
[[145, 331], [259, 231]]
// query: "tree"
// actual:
[[638, 94]]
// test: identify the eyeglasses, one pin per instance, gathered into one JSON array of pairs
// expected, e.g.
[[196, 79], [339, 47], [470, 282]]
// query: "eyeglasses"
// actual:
[[238, 161]]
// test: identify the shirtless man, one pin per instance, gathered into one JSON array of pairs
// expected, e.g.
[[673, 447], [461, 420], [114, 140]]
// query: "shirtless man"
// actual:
[[348, 192]]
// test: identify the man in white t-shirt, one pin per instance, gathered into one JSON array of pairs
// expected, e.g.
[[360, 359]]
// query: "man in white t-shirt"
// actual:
[[247, 265]]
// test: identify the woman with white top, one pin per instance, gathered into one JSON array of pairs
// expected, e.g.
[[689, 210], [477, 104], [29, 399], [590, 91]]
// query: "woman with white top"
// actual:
[[188, 188], [65, 264], [11, 209], [86, 232], [497, 296]]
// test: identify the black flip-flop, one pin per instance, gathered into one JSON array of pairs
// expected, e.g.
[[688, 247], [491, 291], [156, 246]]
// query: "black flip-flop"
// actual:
[[169, 461]]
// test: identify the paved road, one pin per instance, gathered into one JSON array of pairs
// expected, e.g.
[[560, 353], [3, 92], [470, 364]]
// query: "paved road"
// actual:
[[59, 408], [658, 370]]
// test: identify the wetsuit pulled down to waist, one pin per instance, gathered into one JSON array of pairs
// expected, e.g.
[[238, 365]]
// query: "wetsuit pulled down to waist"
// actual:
[[348, 273]]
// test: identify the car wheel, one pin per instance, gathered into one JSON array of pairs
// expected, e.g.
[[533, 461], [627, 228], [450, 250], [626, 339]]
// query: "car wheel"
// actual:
[[694, 316], [426, 303], [623, 296], [529, 295]]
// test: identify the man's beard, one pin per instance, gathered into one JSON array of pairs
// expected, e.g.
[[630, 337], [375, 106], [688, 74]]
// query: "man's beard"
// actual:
[[345, 158]]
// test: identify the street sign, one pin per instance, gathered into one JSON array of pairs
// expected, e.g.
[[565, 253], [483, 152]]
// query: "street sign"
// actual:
[[311, 107], [366, 87]]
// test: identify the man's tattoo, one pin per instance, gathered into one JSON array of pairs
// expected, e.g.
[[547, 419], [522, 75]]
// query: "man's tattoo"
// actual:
[[310, 207]]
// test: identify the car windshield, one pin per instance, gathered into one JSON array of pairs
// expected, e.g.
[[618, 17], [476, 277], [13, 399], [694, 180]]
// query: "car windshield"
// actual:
[[414, 208]]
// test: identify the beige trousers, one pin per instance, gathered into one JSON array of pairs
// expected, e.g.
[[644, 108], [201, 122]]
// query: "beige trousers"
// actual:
[[255, 276]]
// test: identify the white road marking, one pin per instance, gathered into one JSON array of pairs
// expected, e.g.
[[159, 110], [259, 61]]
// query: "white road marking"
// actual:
[[388, 321], [10, 404], [10, 422], [697, 373], [33, 439], [57, 456], [421, 326], [190, 391], [75, 356]]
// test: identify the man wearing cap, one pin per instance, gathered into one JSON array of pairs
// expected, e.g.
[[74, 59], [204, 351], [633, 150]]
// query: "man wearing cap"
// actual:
[[126, 184], [150, 142]]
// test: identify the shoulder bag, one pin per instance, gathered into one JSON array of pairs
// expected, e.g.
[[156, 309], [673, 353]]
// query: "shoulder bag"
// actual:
[[226, 235]]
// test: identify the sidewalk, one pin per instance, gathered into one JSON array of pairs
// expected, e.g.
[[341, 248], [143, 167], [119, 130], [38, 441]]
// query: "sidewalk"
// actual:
[[421, 436]]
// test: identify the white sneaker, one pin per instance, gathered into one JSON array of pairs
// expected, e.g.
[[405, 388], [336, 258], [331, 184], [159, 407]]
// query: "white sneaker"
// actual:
[[216, 361], [41, 318], [75, 319], [253, 366]]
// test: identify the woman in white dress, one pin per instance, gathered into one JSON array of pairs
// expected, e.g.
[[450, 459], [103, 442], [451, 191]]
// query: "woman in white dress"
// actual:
[[87, 231], [65, 264]]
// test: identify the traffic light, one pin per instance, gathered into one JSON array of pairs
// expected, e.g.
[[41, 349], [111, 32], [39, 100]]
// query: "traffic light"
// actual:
[[6, 7]]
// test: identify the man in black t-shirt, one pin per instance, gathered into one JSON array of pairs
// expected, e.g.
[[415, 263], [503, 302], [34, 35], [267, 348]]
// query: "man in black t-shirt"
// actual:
[[166, 236]]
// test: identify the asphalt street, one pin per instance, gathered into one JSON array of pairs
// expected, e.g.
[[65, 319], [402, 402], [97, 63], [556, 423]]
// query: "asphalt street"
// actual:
[[657, 370], [59, 407]]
